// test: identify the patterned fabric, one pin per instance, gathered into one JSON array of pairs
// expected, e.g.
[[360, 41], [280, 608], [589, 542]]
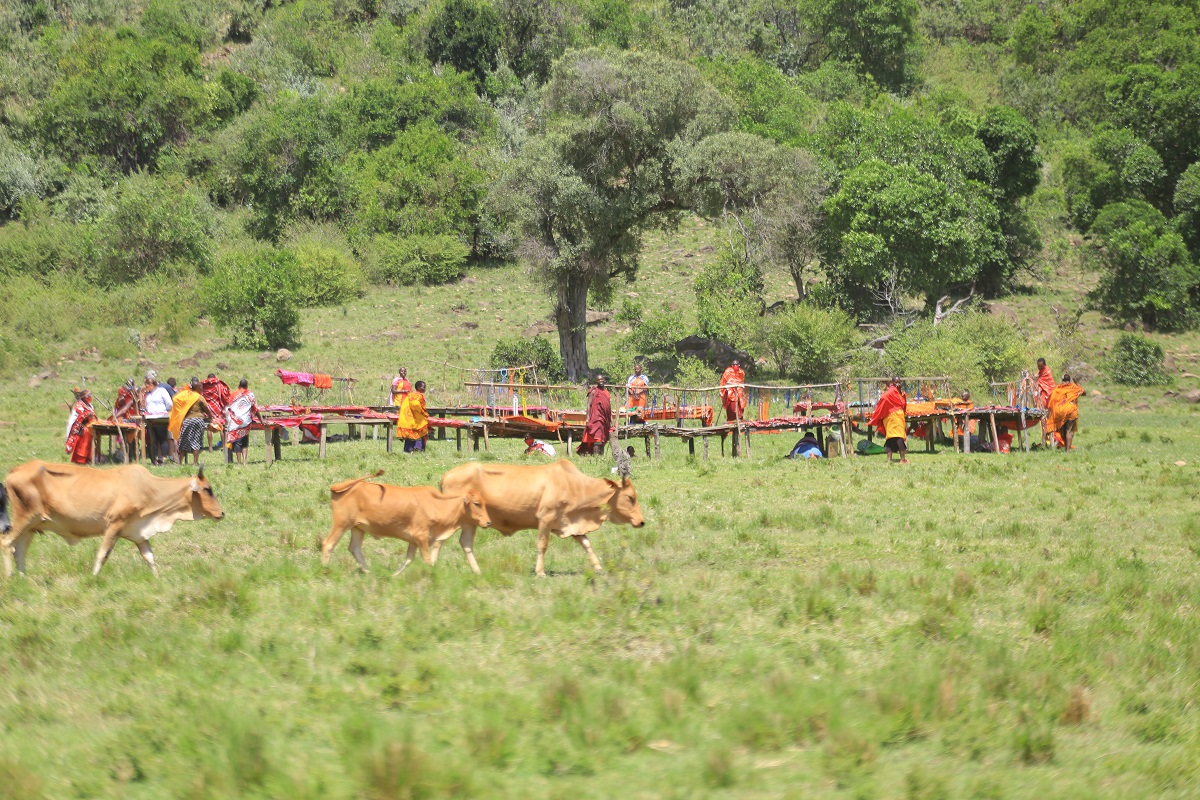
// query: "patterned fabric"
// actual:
[[79, 435], [239, 413], [191, 437], [733, 395]]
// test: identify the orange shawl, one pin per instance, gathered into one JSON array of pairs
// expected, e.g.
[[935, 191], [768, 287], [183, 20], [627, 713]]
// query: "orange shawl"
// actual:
[[1062, 406], [413, 420], [733, 397], [1045, 385], [891, 400]]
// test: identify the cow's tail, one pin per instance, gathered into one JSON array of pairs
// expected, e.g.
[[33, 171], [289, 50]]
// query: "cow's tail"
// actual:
[[338, 488]]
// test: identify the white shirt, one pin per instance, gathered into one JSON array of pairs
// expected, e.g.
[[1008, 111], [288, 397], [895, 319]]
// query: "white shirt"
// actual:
[[158, 403]]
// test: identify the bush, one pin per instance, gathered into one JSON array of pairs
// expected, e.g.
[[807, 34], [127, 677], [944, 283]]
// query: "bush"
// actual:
[[417, 259], [154, 221], [43, 248], [21, 176], [972, 349], [521, 352], [1137, 361], [251, 295], [807, 343], [729, 298], [653, 333], [327, 272], [695, 373]]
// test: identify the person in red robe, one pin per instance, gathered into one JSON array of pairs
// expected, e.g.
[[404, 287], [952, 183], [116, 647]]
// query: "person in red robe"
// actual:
[[1045, 385], [733, 392], [79, 434], [891, 421], [216, 394], [599, 421]]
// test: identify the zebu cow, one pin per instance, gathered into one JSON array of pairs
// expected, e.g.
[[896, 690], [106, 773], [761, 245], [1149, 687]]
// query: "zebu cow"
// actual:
[[419, 515], [79, 502], [554, 498]]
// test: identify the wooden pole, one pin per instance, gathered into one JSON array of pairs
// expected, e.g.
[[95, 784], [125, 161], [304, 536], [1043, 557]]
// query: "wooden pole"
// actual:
[[458, 439], [966, 434], [691, 445], [1024, 432], [324, 428], [705, 448], [646, 439], [734, 450], [485, 437], [267, 442], [275, 443], [390, 436], [995, 437], [657, 453]]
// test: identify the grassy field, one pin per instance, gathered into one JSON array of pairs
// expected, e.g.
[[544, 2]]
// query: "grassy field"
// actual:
[[966, 626]]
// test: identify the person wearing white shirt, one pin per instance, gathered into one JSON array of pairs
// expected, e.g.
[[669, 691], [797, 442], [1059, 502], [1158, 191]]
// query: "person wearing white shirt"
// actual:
[[156, 408]]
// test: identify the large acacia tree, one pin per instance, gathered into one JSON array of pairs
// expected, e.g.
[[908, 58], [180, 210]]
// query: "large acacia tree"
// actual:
[[602, 172]]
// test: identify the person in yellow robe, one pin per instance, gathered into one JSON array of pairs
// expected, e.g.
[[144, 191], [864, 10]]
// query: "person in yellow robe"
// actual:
[[190, 415], [412, 424], [1062, 411], [891, 420]]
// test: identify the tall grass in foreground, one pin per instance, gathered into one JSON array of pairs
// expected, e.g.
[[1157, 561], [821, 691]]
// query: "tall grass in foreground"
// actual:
[[969, 626]]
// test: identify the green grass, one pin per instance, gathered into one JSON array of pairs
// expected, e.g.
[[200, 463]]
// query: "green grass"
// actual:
[[969, 626]]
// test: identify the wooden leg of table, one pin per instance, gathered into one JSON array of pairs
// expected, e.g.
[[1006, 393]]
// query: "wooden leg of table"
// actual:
[[441, 435], [735, 449], [995, 437], [485, 437], [691, 446], [705, 448], [275, 443], [646, 439], [475, 441], [324, 436], [225, 446], [391, 437], [657, 451], [458, 439], [267, 441]]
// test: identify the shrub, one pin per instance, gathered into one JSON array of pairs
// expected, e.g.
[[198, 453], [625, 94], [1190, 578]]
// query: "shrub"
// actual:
[[21, 176], [251, 295], [417, 259], [1137, 361], [729, 298], [467, 36], [154, 221], [694, 372], [520, 352], [972, 349], [327, 272], [656, 332], [805, 342], [43, 248]]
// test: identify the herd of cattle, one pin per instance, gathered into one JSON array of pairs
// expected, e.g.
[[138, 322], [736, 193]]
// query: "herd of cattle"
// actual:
[[127, 502]]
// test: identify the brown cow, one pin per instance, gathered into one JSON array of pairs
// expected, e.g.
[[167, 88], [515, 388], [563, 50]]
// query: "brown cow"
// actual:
[[550, 498], [79, 502], [419, 515]]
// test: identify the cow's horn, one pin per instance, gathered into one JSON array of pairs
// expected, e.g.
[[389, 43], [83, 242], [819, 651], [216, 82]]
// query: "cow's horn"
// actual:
[[200, 472]]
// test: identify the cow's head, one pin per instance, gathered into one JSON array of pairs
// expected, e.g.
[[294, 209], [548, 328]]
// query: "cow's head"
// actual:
[[5, 524], [624, 508], [204, 502], [477, 509]]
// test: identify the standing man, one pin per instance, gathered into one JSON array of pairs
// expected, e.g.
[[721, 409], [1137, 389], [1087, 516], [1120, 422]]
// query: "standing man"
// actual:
[[1062, 417], [891, 421], [1045, 385], [400, 388], [125, 407], [216, 394], [412, 424], [733, 392], [156, 408], [190, 415], [79, 435], [599, 421], [636, 388], [240, 412], [171, 390]]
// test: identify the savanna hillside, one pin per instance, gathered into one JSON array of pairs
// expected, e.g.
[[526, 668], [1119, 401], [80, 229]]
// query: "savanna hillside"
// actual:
[[235, 162]]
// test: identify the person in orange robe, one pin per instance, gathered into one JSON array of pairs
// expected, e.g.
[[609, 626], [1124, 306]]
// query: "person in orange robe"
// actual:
[[599, 421], [635, 388], [1062, 416], [1045, 385], [400, 387], [733, 392], [412, 424], [891, 421], [79, 434]]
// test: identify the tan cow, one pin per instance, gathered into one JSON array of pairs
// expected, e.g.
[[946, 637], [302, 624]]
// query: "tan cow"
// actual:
[[554, 498], [419, 515], [79, 502]]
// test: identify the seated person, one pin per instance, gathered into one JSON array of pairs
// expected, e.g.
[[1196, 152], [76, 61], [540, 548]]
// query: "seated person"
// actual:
[[538, 446], [807, 447], [1005, 440]]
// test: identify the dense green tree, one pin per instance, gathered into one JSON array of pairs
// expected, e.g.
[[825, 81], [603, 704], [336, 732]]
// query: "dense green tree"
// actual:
[[1146, 272], [878, 35], [1163, 107], [123, 97], [1013, 145], [534, 33], [585, 190], [1114, 165], [466, 35], [251, 294], [894, 231], [1187, 207]]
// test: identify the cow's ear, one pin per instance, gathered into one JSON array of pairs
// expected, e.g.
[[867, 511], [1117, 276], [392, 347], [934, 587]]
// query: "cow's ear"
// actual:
[[613, 483]]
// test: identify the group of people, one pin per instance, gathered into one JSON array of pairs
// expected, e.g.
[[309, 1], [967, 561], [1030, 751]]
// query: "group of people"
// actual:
[[173, 420], [1059, 400]]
